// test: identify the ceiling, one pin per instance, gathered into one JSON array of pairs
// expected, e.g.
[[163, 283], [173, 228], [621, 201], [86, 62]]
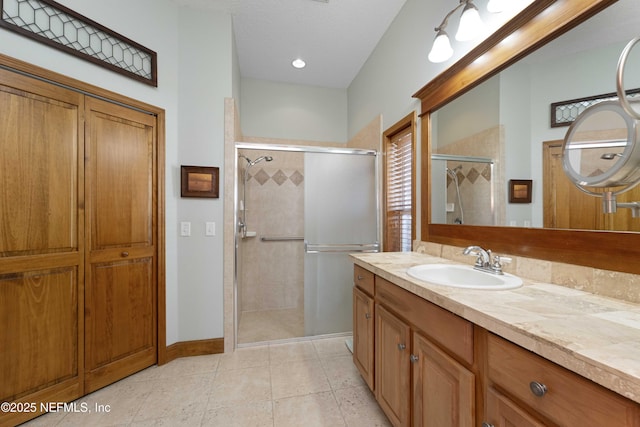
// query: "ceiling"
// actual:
[[334, 37]]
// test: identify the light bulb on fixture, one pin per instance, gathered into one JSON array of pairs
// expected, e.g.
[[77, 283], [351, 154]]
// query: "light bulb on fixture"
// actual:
[[470, 25], [441, 49], [298, 63]]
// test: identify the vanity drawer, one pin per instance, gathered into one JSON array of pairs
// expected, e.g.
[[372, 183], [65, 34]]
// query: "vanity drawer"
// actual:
[[363, 279], [565, 398]]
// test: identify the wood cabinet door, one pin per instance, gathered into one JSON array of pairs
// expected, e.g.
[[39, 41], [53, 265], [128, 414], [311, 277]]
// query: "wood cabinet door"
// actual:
[[502, 412], [392, 366], [363, 335], [41, 252], [443, 389], [121, 283]]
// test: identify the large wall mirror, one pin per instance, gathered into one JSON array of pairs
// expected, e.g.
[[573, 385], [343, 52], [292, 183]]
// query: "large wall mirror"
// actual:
[[506, 122], [488, 121]]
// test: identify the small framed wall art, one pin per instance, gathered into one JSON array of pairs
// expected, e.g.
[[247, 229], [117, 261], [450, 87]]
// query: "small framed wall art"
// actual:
[[199, 181], [520, 190]]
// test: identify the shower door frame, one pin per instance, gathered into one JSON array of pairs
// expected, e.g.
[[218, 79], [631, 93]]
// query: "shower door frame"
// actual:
[[288, 148]]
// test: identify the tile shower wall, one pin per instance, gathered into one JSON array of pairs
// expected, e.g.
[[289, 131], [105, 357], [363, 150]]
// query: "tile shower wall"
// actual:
[[270, 274], [476, 179]]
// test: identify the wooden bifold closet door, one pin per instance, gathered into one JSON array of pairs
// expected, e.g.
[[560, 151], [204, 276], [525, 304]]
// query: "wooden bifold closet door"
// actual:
[[78, 252], [120, 290], [41, 242]]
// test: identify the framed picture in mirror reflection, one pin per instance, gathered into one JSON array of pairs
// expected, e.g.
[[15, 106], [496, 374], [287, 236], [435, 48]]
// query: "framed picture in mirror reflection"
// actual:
[[520, 190]]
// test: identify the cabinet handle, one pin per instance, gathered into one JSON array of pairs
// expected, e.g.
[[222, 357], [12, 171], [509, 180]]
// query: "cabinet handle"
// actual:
[[367, 315], [360, 277], [537, 388], [124, 254], [487, 425], [401, 347], [413, 358]]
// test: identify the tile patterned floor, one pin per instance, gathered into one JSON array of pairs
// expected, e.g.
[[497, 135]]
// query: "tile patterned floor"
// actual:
[[308, 383], [270, 325]]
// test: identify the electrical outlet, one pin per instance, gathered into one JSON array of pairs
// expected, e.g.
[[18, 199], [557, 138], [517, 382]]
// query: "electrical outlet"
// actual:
[[185, 228], [210, 229]]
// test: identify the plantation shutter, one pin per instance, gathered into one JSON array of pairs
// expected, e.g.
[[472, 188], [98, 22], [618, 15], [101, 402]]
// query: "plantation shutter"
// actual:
[[398, 191]]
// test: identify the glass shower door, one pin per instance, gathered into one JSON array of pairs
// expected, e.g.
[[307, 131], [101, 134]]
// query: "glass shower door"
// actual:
[[341, 211]]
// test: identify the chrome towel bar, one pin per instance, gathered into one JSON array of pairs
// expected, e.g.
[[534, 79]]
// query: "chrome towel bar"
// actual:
[[281, 239]]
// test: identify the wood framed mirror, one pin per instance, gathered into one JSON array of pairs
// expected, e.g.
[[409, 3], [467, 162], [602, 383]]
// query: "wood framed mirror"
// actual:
[[539, 23]]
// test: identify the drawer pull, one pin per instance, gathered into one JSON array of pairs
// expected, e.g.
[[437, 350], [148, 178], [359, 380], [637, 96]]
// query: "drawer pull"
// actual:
[[487, 425], [413, 358], [367, 315], [124, 254], [537, 388], [401, 347]]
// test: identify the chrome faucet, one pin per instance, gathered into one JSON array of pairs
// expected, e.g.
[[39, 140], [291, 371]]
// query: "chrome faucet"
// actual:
[[484, 261]]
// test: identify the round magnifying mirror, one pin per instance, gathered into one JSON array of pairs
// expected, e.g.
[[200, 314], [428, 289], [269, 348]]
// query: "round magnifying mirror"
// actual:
[[601, 147]]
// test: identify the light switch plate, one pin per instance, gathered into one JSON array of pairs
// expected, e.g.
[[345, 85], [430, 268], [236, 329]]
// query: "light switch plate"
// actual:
[[210, 229], [185, 228]]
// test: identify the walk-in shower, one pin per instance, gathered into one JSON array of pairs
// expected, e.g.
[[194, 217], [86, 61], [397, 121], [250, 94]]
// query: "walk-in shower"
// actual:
[[242, 222], [300, 211], [463, 190], [453, 174]]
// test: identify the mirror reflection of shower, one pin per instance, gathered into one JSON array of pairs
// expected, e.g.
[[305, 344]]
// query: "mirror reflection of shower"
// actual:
[[453, 174], [242, 223]]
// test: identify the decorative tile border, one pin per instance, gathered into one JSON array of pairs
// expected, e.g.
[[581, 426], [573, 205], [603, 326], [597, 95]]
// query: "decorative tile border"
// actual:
[[279, 177]]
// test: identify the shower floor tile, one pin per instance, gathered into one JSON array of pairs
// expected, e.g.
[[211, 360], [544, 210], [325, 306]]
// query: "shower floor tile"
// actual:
[[270, 325]]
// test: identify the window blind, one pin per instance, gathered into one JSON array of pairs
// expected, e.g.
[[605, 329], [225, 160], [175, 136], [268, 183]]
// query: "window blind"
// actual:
[[398, 191]]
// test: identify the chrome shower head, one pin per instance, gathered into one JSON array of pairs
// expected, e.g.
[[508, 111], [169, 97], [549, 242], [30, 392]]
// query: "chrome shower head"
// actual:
[[452, 172], [258, 160], [261, 158]]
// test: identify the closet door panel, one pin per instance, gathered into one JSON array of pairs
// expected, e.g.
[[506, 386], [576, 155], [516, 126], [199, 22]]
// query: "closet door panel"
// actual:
[[41, 243], [39, 318], [121, 283], [121, 298], [121, 191], [38, 174]]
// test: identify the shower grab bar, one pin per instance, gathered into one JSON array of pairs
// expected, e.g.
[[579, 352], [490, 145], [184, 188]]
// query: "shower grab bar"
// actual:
[[281, 239], [312, 248]]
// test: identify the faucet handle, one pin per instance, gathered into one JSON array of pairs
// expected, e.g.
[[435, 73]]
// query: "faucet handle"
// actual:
[[498, 260]]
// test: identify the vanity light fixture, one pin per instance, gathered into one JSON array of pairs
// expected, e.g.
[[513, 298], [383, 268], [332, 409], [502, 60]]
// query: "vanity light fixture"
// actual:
[[298, 63], [470, 27]]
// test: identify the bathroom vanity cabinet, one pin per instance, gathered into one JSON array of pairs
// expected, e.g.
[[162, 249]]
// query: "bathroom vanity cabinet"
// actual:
[[423, 357], [432, 367], [363, 323], [553, 395]]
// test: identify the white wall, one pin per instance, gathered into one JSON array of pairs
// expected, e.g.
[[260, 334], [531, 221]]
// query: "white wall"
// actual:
[[515, 115], [206, 66], [288, 111], [195, 74]]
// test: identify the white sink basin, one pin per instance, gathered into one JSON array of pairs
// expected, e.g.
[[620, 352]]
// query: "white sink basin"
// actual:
[[463, 276]]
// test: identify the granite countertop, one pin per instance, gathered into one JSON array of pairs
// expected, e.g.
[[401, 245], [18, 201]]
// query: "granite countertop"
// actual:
[[593, 336]]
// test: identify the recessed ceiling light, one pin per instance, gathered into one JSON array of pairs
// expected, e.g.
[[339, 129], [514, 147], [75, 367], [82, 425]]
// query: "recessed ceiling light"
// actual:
[[298, 63]]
